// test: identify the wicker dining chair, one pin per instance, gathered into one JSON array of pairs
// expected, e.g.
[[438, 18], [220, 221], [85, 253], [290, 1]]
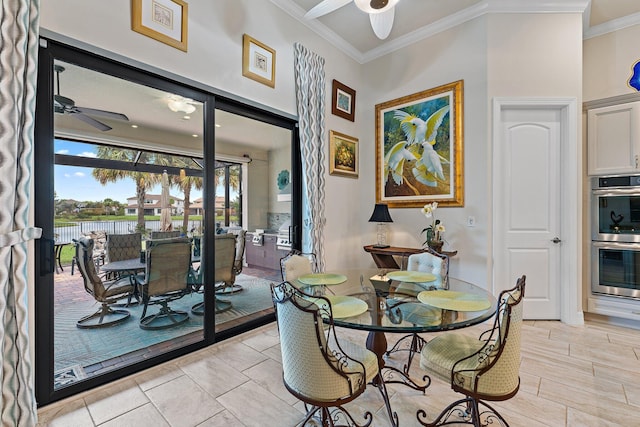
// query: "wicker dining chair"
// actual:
[[483, 369], [317, 369]]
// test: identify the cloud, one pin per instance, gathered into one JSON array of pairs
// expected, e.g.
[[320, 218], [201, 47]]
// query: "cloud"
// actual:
[[62, 152], [87, 154], [66, 175], [79, 174]]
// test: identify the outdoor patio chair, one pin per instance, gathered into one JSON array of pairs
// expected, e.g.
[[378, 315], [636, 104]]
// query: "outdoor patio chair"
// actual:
[[106, 293], [224, 260], [230, 287], [483, 369], [428, 261], [317, 369], [164, 234], [119, 247], [168, 265]]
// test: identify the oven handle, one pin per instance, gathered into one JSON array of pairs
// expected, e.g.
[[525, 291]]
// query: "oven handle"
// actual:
[[634, 191], [615, 245]]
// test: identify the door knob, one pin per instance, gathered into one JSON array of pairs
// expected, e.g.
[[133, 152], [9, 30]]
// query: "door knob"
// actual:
[[556, 240]]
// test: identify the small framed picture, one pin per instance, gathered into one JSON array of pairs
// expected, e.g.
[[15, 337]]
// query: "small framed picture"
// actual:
[[343, 154], [163, 20], [343, 101], [258, 61]]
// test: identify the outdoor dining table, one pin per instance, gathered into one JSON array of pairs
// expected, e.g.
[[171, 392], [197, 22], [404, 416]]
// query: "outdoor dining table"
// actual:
[[384, 301]]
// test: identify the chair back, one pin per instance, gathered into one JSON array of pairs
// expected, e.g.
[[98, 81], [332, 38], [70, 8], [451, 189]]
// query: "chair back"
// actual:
[[164, 234], [310, 370], [225, 257], [429, 262], [168, 266], [240, 244], [499, 375], [84, 260], [123, 246], [296, 264]]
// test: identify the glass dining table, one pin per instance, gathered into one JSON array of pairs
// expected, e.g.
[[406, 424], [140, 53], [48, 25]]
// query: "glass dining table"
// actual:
[[399, 302]]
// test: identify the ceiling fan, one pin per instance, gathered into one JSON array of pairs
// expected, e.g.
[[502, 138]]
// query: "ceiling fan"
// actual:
[[64, 105], [381, 12]]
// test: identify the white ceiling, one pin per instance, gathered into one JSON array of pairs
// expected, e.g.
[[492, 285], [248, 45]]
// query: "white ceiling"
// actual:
[[349, 29]]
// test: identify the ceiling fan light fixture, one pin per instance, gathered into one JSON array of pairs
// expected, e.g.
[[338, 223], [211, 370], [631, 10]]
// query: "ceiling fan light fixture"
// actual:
[[178, 103], [375, 6]]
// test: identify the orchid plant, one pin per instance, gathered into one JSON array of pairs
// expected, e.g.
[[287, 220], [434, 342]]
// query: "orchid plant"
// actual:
[[435, 230]]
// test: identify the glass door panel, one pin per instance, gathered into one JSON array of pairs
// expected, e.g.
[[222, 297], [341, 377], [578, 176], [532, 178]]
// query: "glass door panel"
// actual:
[[125, 179], [253, 201]]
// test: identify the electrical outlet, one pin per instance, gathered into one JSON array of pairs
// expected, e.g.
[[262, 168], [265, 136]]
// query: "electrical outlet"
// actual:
[[471, 221]]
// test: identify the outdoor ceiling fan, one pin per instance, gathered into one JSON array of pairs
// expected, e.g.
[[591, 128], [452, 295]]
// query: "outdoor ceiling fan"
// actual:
[[381, 12], [64, 105]]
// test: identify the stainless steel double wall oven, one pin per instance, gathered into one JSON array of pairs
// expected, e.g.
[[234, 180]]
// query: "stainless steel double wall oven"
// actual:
[[615, 245]]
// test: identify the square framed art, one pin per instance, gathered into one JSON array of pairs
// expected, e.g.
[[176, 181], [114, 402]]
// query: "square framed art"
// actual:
[[162, 20], [343, 101], [258, 61]]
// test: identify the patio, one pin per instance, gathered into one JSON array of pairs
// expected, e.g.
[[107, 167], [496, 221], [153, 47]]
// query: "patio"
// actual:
[[80, 353]]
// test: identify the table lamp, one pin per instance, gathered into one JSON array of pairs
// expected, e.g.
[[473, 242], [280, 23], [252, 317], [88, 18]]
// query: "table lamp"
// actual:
[[381, 216]]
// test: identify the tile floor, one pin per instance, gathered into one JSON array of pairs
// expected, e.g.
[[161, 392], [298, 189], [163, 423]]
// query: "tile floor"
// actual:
[[570, 376]]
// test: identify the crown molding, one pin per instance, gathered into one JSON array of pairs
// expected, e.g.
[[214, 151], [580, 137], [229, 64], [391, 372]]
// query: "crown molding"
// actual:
[[611, 26], [472, 12]]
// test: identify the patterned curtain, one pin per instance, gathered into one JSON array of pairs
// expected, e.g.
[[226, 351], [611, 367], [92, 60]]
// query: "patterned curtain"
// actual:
[[310, 97], [19, 21]]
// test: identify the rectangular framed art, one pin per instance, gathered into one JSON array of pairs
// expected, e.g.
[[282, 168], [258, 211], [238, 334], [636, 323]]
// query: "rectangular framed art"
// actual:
[[343, 101], [343, 154], [419, 148], [258, 61], [163, 20]]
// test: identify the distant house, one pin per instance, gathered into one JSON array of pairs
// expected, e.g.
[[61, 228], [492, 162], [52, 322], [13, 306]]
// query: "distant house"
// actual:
[[152, 205], [196, 207]]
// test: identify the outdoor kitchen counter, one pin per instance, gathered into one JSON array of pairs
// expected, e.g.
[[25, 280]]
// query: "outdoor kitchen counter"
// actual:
[[266, 255]]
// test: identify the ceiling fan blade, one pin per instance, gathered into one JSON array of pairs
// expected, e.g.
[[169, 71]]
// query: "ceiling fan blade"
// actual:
[[382, 23], [93, 122], [102, 113], [324, 7]]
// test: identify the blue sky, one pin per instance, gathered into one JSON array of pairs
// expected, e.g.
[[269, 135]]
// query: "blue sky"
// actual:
[[72, 182]]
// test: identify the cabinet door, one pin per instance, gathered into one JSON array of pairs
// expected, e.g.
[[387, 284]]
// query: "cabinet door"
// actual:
[[613, 139]]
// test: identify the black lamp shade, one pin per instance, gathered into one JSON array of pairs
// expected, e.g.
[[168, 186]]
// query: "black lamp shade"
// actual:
[[380, 213]]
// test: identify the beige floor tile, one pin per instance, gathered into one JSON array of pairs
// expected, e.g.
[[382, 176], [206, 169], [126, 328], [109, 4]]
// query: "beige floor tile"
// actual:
[[146, 415], [114, 400], [238, 355], [223, 419], [632, 391], [606, 354], [577, 418], [183, 403], [158, 375], [269, 375], [529, 407], [213, 374], [274, 353], [71, 413], [622, 373], [261, 342], [529, 383], [255, 406]]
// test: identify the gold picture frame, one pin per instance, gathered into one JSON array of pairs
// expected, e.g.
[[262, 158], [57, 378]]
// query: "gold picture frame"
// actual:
[[162, 20], [343, 101], [258, 61], [343, 154], [413, 167]]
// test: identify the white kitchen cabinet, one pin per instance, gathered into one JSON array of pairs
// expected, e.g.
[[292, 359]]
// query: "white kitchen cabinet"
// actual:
[[613, 138]]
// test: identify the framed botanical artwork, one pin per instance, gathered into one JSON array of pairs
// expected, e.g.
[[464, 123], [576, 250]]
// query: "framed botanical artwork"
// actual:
[[343, 101], [258, 61], [419, 148], [343, 154], [163, 20]]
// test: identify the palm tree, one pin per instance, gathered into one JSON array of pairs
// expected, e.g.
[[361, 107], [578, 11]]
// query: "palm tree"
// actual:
[[144, 181]]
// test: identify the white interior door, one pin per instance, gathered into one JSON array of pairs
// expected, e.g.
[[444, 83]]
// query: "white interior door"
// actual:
[[527, 235]]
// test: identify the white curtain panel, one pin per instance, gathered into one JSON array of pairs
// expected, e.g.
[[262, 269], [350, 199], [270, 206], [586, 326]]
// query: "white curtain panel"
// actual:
[[310, 98], [19, 21]]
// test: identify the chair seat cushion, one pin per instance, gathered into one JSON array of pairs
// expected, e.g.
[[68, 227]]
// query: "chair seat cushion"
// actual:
[[365, 356], [118, 287], [441, 353]]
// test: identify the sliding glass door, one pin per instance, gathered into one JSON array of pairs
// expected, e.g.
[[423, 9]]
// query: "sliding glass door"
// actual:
[[128, 162]]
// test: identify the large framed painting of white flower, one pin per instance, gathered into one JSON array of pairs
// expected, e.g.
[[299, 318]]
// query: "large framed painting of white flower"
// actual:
[[419, 148]]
